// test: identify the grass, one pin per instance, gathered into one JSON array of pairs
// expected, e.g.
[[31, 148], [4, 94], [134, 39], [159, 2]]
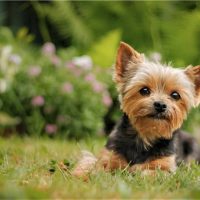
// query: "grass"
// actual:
[[39, 168]]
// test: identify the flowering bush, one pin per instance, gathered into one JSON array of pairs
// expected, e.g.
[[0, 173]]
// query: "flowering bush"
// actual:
[[55, 96], [8, 67]]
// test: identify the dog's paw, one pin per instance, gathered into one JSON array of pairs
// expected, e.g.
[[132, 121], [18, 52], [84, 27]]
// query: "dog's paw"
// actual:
[[80, 174]]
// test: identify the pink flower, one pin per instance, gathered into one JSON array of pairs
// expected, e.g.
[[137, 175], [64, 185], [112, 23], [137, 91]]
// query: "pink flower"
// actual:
[[97, 87], [67, 87], [51, 128], [48, 49], [73, 68], [107, 101], [55, 60], [37, 101], [34, 71], [70, 65], [77, 72], [89, 78]]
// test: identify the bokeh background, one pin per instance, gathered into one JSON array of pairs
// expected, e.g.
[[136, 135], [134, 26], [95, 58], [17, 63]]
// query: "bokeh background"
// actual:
[[56, 60]]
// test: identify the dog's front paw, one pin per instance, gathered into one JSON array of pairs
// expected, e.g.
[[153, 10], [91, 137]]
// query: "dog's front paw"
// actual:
[[81, 174]]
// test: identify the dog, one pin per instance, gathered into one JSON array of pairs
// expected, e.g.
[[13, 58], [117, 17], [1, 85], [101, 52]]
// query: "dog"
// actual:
[[155, 100]]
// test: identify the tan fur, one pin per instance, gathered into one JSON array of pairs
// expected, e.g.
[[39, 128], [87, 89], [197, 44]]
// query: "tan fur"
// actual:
[[126, 59], [194, 74], [85, 165], [110, 161], [136, 73], [137, 107], [126, 54], [133, 72], [164, 163], [88, 163]]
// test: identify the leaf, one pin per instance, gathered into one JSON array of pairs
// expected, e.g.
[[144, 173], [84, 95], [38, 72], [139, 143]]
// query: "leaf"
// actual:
[[103, 52], [183, 45], [6, 35], [23, 35], [68, 23]]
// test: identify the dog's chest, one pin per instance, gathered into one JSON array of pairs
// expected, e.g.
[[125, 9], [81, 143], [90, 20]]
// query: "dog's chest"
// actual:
[[126, 142]]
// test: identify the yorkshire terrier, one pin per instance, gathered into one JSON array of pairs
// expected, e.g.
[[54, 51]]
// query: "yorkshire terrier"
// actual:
[[155, 100]]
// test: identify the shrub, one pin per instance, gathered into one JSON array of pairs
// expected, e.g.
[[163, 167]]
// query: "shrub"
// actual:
[[51, 95]]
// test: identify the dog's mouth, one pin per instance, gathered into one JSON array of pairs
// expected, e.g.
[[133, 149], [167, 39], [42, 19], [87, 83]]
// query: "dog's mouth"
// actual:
[[158, 116]]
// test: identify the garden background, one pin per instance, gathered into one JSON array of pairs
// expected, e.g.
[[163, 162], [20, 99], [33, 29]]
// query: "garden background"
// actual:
[[56, 90]]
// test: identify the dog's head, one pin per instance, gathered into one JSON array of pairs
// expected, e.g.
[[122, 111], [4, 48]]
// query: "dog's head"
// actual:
[[155, 97]]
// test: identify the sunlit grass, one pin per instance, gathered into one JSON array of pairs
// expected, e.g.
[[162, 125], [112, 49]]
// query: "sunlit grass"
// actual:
[[40, 168]]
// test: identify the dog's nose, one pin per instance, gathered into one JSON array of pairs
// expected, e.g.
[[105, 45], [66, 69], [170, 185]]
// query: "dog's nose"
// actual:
[[160, 106]]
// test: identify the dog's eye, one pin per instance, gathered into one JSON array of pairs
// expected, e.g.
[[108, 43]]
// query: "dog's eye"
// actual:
[[145, 91], [175, 95]]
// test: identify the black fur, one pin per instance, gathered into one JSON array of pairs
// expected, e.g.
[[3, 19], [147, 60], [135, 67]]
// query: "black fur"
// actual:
[[125, 140]]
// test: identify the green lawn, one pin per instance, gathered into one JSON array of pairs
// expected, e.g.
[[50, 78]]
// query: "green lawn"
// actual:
[[39, 168]]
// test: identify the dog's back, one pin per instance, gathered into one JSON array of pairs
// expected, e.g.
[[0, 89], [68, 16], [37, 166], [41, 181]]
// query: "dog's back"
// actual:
[[187, 148]]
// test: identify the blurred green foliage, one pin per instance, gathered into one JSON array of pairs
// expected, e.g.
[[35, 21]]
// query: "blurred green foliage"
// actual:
[[169, 27], [159, 26], [106, 49], [49, 93]]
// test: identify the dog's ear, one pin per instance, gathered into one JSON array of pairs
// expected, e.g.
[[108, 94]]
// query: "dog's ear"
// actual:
[[127, 58], [194, 74]]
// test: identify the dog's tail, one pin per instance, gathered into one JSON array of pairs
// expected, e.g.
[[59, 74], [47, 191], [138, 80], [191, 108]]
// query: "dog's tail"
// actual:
[[85, 165]]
